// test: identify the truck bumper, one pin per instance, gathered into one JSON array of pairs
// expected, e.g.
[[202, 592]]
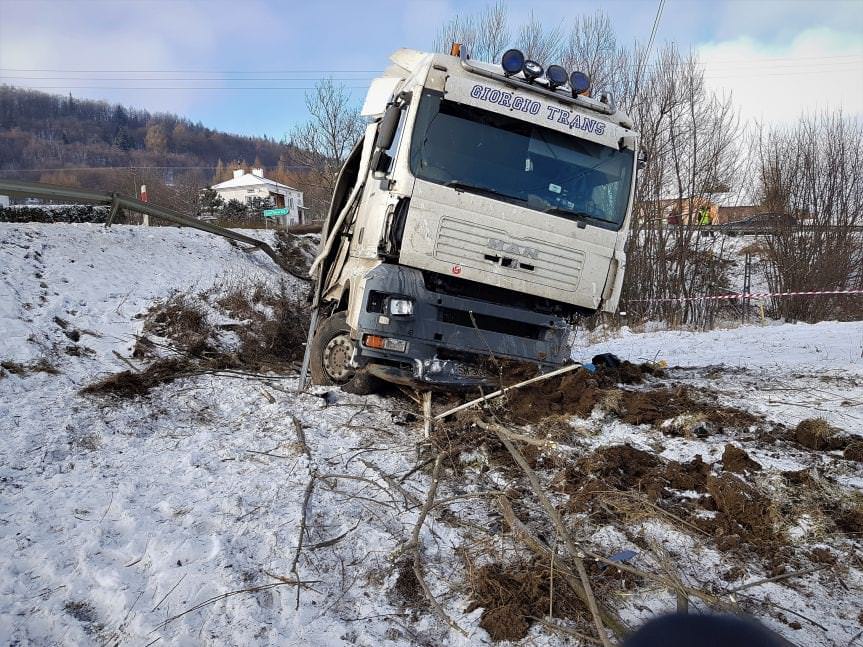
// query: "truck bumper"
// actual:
[[446, 336]]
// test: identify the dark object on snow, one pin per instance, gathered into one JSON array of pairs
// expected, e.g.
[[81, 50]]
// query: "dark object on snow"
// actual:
[[329, 397], [608, 360], [680, 630], [621, 556]]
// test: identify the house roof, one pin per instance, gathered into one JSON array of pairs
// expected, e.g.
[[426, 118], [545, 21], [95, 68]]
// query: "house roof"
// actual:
[[250, 180]]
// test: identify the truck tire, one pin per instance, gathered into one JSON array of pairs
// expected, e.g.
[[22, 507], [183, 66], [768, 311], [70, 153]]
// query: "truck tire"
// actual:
[[330, 353]]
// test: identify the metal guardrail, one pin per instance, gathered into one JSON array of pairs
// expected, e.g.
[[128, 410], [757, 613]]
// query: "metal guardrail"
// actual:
[[117, 202]]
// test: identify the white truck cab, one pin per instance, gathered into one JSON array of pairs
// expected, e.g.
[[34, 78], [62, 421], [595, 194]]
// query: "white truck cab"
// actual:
[[485, 209]]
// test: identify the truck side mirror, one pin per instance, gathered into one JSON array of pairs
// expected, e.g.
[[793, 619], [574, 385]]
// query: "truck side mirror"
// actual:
[[388, 126]]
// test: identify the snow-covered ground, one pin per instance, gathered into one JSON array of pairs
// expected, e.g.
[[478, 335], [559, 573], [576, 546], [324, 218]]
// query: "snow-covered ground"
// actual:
[[119, 518]]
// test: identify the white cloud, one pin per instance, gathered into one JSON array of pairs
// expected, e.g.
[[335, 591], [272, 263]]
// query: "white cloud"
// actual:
[[816, 69]]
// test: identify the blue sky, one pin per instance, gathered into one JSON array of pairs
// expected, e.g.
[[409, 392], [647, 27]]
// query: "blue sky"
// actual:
[[776, 58]]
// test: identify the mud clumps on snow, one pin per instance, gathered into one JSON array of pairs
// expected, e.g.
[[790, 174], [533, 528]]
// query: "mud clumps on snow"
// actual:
[[622, 468], [512, 595], [735, 459], [817, 434], [574, 393], [744, 511], [678, 410], [407, 588], [688, 413]]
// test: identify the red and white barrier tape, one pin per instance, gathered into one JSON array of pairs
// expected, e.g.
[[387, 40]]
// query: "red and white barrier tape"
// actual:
[[747, 295]]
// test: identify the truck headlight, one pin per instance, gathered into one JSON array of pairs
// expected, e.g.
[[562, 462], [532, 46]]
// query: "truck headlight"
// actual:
[[401, 307]]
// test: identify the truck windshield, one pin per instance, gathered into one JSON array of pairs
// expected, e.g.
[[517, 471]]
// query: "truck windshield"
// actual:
[[498, 156]]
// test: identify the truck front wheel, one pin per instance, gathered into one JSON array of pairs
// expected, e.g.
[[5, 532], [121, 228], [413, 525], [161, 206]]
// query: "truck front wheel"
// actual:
[[330, 356]]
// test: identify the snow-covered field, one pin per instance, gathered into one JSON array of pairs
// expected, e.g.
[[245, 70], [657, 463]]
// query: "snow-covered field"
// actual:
[[119, 518]]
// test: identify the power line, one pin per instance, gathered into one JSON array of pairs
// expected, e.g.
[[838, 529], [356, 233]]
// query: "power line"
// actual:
[[180, 88], [710, 65], [655, 27], [114, 71], [165, 78]]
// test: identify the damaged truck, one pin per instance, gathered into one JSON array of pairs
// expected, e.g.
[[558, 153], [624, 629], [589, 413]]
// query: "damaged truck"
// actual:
[[484, 212]]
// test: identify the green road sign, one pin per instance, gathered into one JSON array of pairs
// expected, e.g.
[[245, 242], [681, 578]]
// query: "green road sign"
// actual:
[[272, 213]]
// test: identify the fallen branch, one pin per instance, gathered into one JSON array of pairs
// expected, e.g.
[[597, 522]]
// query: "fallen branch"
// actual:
[[301, 437], [414, 546], [500, 392], [585, 592], [306, 496], [223, 596], [784, 576], [565, 630], [521, 531]]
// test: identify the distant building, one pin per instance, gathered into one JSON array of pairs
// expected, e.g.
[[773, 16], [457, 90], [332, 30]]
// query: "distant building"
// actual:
[[245, 187], [678, 211]]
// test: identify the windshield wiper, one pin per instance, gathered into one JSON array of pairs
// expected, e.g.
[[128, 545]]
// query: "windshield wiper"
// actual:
[[578, 215], [479, 190]]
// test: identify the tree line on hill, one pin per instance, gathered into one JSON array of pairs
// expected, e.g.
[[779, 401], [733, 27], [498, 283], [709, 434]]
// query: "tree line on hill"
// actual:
[[96, 145]]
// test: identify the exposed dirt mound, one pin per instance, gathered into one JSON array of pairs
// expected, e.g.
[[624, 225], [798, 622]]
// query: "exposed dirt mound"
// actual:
[[622, 468], [735, 459], [574, 393], [744, 511], [854, 451], [656, 406], [579, 392], [511, 596], [816, 433], [407, 587]]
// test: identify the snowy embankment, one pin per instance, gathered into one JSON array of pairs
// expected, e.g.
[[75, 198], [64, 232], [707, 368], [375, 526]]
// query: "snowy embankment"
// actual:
[[174, 518]]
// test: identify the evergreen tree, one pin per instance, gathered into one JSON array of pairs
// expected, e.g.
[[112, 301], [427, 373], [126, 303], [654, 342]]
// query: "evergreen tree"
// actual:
[[211, 201]]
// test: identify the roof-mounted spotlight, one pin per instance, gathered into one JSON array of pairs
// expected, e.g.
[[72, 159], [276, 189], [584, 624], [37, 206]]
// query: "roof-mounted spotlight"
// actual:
[[556, 76], [532, 71], [579, 82], [512, 62]]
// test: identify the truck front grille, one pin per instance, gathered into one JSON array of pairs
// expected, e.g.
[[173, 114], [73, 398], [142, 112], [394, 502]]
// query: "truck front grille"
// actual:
[[486, 248], [490, 323]]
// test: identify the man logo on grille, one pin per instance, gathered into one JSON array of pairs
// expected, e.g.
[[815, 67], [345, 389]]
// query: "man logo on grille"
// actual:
[[512, 248], [456, 269]]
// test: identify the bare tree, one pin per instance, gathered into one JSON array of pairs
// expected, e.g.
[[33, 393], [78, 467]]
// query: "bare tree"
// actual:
[[692, 137], [592, 48], [538, 42], [484, 35], [325, 140], [811, 177]]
